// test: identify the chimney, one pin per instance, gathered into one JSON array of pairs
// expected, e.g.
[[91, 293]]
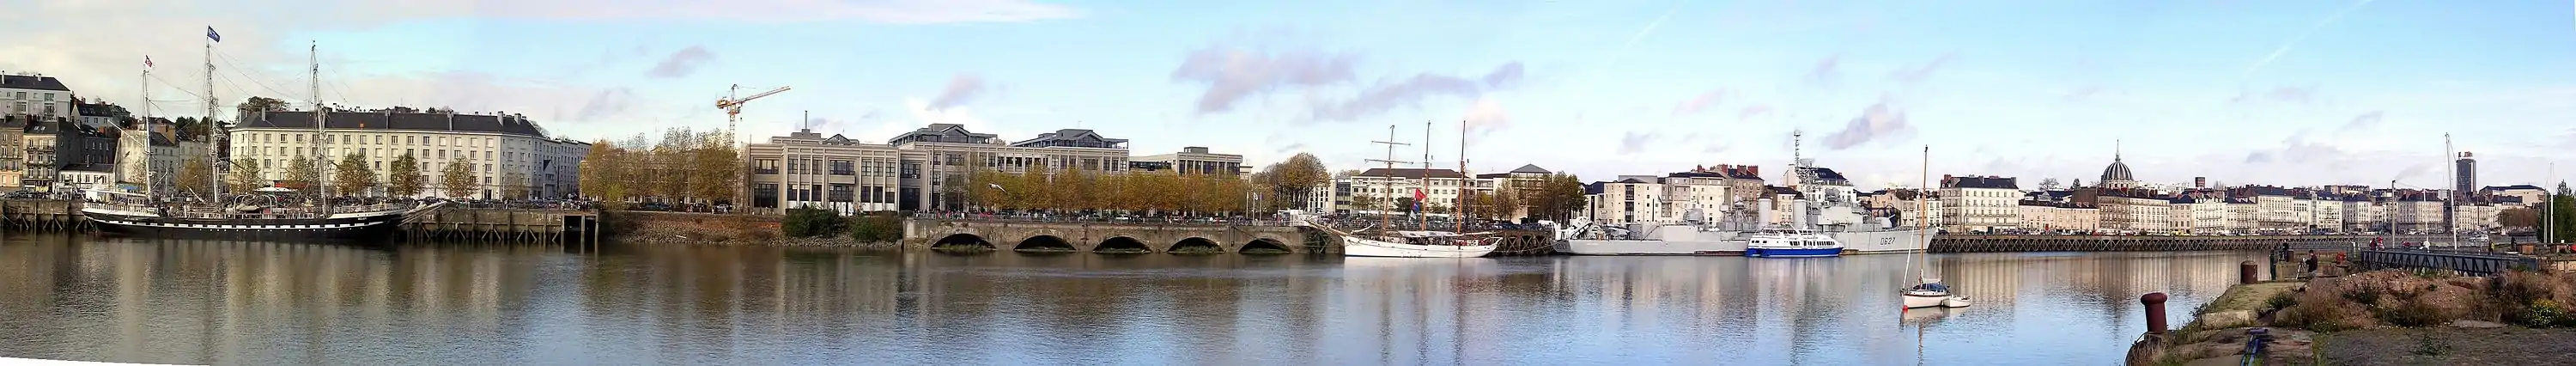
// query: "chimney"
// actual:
[[2200, 182]]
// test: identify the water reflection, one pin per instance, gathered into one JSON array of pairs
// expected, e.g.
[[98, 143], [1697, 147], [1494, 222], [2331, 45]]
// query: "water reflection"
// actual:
[[227, 302]]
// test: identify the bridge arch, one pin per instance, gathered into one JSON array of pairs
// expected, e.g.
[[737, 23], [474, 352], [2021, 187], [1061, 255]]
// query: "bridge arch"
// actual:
[[962, 241], [1265, 246], [1043, 243], [1195, 245], [1122, 244]]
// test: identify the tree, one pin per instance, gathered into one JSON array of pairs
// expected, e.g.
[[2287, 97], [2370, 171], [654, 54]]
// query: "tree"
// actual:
[[1289, 183], [2049, 184], [1403, 204], [457, 180], [245, 175], [405, 178], [1556, 197], [514, 185], [306, 172], [2518, 217], [601, 175], [1364, 202], [196, 177], [352, 175], [261, 104], [714, 168]]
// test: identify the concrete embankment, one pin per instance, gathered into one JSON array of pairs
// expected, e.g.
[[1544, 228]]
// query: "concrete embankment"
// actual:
[[2093, 243]]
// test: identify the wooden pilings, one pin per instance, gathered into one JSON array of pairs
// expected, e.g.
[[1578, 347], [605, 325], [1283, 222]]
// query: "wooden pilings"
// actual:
[[42, 215], [505, 225]]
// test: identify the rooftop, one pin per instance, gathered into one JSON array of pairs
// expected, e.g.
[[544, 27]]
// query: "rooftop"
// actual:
[[1072, 137], [1985, 182], [945, 133], [32, 82], [384, 121], [1410, 173]]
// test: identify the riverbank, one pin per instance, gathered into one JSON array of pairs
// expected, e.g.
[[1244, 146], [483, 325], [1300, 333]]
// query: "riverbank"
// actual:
[[2382, 317], [685, 228]]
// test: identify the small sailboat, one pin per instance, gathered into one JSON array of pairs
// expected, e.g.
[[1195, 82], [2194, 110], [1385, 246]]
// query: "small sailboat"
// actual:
[[1931, 292]]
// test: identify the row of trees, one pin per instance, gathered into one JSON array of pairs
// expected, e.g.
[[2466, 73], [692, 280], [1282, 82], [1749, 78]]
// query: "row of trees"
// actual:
[[1287, 184], [351, 176], [682, 166], [1073, 190]]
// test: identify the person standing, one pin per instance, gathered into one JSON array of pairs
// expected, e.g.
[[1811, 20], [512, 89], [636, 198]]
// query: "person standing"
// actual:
[[2311, 263]]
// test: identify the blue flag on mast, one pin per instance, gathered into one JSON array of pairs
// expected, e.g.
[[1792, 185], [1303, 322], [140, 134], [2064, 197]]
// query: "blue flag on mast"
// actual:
[[210, 34]]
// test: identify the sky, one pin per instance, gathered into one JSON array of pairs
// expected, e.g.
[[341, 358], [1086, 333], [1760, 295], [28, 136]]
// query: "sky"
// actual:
[[2293, 93]]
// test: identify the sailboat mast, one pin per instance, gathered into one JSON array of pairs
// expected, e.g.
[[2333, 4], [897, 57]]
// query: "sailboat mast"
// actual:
[[147, 126], [320, 115], [1388, 177], [1423, 219], [1459, 209], [2450, 203], [214, 147]]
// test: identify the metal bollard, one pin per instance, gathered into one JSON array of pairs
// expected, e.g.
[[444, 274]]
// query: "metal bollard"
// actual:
[[2155, 302], [2245, 273]]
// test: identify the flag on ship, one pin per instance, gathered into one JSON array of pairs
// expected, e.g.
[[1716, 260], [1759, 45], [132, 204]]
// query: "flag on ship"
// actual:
[[211, 35]]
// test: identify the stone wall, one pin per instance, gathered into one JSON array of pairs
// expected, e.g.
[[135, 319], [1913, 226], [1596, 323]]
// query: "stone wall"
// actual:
[[1095, 236]]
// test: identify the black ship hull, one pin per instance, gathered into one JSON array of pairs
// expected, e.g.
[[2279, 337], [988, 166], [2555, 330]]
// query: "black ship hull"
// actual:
[[367, 227]]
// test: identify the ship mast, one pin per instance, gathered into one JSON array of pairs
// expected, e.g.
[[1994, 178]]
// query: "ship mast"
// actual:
[[322, 182], [147, 126], [1422, 218], [214, 146], [1459, 209], [1389, 177]]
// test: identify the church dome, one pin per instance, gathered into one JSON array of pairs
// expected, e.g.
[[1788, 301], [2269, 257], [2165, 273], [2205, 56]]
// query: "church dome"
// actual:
[[2118, 171]]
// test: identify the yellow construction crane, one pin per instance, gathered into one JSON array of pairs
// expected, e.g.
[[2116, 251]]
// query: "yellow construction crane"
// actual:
[[733, 118], [733, 106]]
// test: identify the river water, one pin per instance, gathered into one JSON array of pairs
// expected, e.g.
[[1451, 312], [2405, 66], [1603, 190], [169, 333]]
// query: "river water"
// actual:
[[199, 302]]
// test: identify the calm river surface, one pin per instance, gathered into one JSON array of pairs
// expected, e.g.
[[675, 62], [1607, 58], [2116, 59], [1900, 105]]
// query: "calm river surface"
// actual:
[[182, 301]]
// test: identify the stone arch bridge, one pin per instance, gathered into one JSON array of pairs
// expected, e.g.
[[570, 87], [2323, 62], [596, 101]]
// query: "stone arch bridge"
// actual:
[[1107, 236]]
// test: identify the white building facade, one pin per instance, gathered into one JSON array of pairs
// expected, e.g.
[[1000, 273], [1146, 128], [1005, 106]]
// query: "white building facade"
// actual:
[[505, 154]]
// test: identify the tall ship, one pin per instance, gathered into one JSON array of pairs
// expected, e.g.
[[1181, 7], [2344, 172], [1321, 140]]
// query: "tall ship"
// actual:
[[268, 212], [1817, 200]]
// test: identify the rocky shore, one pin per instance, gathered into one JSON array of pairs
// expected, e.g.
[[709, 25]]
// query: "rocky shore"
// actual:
[[2382, 317]]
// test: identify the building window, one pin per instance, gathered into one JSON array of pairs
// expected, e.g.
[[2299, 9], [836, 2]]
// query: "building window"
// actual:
[[764, 166]]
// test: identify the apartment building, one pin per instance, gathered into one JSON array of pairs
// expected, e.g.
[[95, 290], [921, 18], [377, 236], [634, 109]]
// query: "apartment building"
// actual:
[[35, 95], [1980, 203], [1438, 189], [502, 150]]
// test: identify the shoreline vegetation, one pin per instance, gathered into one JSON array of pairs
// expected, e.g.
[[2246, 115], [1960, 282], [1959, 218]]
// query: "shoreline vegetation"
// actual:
[[2385, 317]]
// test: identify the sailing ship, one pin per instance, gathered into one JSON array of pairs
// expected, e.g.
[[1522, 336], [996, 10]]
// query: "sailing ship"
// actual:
[[1378, 241], [270, 212]]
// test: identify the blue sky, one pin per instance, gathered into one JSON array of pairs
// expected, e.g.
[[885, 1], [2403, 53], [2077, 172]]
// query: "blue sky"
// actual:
[[2277, 92]]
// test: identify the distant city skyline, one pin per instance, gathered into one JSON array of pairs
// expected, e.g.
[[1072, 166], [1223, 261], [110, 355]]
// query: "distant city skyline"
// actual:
[[2285, 93]]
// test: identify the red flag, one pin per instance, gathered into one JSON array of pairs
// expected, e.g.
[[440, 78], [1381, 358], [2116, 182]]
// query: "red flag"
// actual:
[[1417, 195], [147, 62]]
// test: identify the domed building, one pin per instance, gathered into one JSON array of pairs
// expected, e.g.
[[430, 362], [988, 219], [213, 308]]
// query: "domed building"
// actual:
[[2117, 175]]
